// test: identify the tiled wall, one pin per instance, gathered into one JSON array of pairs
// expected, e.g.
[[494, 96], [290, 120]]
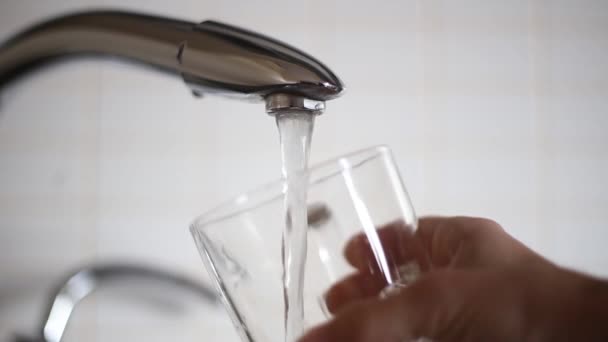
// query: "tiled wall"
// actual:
[[493, 108]]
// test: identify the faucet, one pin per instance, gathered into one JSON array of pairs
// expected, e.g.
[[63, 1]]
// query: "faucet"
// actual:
[[72, 289], [211, 57]]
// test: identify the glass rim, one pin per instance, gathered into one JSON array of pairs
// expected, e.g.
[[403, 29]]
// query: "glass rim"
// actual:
[[239, 204]]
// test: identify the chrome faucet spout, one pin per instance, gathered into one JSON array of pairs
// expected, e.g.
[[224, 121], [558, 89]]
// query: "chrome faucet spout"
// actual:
[[211, 57]]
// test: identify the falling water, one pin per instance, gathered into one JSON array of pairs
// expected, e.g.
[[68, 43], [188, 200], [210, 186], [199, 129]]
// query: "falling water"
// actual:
[[295, 130]]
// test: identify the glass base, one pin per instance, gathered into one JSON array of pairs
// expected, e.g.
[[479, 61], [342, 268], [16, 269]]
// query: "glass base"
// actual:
[[406, 274]]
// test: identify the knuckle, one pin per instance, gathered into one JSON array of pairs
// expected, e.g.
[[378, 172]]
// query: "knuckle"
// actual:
[[472, 225], [489, 223]]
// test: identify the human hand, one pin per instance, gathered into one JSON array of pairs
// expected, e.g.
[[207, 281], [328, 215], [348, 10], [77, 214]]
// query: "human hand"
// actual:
[[480, 284]]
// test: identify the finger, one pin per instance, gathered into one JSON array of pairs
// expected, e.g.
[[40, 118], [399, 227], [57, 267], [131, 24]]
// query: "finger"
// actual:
[[387, 234], [395, 243], [424, 309], [468, 242], [355, 287], [427, 226], [439, 238], [367, 321], [359, 250]]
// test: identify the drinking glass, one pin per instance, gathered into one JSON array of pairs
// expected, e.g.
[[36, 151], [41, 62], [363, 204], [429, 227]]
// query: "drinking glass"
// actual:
[[355, 197]]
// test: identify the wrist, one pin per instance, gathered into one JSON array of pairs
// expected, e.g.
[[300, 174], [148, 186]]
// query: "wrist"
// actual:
[[589, 314], [571, 307]]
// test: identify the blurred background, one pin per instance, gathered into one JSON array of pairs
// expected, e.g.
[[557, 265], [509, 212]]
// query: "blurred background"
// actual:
[[492, 108]]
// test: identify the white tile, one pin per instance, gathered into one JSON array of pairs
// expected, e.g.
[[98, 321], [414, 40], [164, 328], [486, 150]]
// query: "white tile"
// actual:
[[491, 108]]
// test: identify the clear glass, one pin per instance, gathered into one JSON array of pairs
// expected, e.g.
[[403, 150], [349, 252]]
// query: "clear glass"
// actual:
[[240, 241]]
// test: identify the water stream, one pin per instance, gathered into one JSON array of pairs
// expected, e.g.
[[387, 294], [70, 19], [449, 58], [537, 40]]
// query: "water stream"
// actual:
[[295, 131]]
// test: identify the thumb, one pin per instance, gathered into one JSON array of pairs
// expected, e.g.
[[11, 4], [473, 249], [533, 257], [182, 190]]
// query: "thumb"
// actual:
[[423, 309]]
